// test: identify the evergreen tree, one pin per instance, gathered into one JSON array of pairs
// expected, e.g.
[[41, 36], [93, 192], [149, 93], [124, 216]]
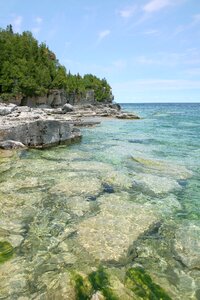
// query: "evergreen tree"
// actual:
[[28, 68]]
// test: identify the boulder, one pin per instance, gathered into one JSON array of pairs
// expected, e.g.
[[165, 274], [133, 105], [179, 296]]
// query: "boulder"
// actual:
[[67, 108]]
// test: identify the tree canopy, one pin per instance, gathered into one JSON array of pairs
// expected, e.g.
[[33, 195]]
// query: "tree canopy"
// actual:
[[28, 68]]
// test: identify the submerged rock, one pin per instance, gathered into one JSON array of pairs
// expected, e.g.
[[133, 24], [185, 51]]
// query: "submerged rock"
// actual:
[[187, 244], [6, 251], [108, 235], [143, 286], [73, 187], [163, 167], [155, 184]]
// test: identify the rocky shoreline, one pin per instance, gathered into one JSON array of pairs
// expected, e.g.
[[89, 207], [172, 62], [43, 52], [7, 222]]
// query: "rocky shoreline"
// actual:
[[41, 127]]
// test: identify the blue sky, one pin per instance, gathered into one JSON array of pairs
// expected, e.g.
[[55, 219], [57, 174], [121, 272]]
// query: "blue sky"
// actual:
[[148, 50]]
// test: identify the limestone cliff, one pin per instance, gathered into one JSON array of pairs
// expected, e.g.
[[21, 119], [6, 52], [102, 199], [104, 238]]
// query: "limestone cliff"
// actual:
[[57, 98]]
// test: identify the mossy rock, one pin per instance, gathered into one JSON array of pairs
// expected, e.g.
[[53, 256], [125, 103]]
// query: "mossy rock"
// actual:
[[6, 251], [100, 282], [96, 281], [142, 285], [82, 288]]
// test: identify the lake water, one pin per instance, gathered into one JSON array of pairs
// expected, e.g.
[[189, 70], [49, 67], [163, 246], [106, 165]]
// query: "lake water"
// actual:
[[115, 216]]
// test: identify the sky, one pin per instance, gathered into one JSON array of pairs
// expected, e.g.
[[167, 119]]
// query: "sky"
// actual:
[[148, 50]]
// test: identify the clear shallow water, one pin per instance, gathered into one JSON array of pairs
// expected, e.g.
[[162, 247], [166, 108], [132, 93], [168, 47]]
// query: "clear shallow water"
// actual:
[[128, 195]]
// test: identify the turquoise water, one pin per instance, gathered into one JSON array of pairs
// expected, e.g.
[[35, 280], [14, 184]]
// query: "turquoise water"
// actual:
[[127, 196]]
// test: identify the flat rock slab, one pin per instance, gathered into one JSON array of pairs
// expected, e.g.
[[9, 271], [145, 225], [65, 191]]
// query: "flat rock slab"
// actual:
[[108, 235]]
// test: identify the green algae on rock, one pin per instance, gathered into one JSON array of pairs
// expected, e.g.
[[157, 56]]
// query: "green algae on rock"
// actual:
[[143, 286], [82, 287], [100, 282], [97, 281], [6, 251], [163, 167]]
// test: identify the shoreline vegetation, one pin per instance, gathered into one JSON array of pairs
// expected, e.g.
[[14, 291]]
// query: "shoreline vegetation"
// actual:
[[42, 103], [30, 69]]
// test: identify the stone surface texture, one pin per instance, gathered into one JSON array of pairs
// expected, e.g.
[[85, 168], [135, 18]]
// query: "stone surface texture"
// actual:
[[44, 126]]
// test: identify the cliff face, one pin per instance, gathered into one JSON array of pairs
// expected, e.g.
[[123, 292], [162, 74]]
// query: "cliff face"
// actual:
[[57, 98]]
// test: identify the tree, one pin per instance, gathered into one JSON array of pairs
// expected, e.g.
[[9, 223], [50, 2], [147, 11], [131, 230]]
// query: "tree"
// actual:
[[30, 69]]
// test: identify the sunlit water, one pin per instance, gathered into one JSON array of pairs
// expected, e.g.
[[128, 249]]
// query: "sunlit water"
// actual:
[[127, 195]]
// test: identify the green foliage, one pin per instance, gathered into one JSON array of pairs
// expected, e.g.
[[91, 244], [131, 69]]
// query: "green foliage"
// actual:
[[28, 68], [6, 251], [143, 286], [102, 89]]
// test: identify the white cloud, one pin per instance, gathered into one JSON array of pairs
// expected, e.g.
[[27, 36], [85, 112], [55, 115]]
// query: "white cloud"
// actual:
[[37, 28], [156, 5], [17, 22], [152, 32], [103, 34], [38, 20], [193, 72], [146, 60], [196, 19], [120, 64], [189, 57], [67, 44], [158, 84], [128, 11], [194, 22]]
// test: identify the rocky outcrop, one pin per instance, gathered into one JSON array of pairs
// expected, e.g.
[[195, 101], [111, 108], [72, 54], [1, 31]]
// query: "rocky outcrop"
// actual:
[[35, 128], [57, 98], [44, 127], [112, 110], [40, 133]]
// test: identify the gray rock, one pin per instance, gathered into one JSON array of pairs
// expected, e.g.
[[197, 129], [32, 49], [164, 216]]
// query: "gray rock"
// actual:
[[115, 106], [6, 109], [10, 144], [67, 108], [127, 116], [39, 133]]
